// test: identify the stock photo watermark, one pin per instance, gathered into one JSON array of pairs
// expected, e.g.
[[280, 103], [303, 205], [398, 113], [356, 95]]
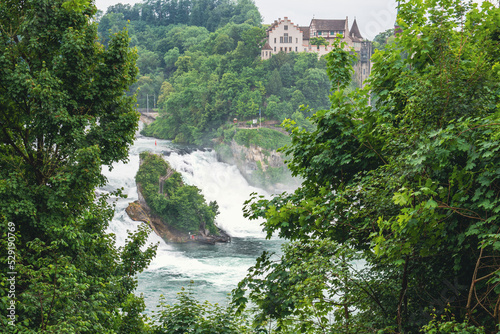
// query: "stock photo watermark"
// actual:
[[11, 273]]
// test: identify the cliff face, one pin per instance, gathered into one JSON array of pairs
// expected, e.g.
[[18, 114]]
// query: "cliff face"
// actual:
[[259, 166], [254, 156], [140, 211], [137, 212]]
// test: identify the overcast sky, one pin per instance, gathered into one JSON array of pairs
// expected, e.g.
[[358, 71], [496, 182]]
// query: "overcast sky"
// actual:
[[373, 16]]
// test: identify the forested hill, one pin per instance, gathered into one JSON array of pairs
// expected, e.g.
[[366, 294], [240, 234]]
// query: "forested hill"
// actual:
[[211, 14], [199, 65]]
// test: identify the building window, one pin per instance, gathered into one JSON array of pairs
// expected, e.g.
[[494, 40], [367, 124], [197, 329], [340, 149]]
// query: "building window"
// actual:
[[290, 49], [274, 40], [281, 48], [332, 32], [281, 39], [363, 71], [297, 40], [290, 39], [285, 38], [314, 33], [319, 33], [286, 27], [274, 49]]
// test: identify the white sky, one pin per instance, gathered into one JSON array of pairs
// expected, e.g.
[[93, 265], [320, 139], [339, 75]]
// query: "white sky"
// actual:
[[372, 16]]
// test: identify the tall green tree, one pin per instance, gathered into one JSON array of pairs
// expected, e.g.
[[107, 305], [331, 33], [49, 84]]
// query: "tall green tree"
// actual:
[[402, 196], [190, 316], [63, 115]]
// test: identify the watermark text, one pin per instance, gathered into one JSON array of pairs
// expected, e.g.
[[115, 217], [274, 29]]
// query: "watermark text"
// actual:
[[11, 273]]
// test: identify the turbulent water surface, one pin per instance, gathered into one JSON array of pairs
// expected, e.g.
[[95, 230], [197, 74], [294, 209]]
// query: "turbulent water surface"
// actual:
[[214, 269]]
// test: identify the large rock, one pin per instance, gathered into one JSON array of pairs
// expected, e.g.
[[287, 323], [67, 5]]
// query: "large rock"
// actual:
[[138, 212]]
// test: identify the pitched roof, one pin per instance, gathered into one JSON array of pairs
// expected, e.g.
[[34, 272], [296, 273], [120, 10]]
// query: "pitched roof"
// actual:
[[306, 32], [355, 32], [328, 24], [267, 47]]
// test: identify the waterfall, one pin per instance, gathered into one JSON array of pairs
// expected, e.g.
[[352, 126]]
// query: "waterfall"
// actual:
[[214, 269]]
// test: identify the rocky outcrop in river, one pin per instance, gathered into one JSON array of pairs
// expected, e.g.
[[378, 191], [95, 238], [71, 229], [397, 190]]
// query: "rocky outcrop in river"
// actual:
[[141, 212], [177, 213]]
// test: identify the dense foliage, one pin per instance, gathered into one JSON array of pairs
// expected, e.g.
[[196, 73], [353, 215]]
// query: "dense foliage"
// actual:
[[208, 90], [180, 206], [210, 14], [395, 228], [64, 114], [190, 316], [202, 73]]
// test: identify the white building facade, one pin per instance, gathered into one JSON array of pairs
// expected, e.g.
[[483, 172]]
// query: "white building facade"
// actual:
[[285, 36]]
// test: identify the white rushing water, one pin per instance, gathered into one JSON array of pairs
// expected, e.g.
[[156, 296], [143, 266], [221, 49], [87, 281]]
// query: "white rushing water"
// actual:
[[214, 269]]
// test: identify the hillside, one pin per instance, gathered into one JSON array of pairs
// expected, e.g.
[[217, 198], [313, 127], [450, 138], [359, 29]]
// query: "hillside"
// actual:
[[201, 74]]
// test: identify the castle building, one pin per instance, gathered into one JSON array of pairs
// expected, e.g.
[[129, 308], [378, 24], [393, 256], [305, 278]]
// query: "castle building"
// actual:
[[285, 36]]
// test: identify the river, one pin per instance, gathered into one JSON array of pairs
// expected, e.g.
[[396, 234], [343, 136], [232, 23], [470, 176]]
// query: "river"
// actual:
[[214, 269]]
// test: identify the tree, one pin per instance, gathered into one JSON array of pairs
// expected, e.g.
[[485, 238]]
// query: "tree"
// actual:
[[190, 316], [409, 187], [383, 38], [315, 86], [305, 61], [286, 75], [170, 58], [274, 85], [64, 114], [223, 44], [109, 24], [318, 41], [147, 61]]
